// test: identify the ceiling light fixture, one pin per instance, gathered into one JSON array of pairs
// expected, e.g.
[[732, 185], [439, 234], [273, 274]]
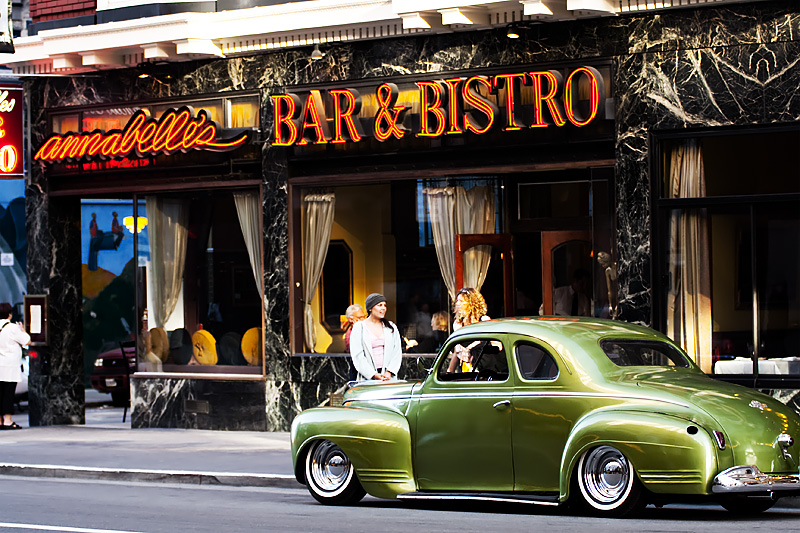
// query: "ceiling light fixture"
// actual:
[[316, 55], [512, 31]]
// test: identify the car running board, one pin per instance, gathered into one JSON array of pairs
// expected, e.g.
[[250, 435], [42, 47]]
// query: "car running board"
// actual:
[[536, 499]]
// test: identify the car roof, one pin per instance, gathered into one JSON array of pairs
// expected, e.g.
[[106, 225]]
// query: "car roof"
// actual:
[[575, 338], [573, 327]]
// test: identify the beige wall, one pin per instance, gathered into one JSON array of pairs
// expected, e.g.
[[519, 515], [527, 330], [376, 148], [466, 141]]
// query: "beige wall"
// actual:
[[363, 220]]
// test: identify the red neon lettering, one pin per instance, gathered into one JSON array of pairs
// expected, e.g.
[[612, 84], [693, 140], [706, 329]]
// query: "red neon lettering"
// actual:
[[454, 127], [594, 96], [144, 135], [508, 80], [287, 120], [318, 123], [552, 80], [425, 108], [481, 104], [344, 110]]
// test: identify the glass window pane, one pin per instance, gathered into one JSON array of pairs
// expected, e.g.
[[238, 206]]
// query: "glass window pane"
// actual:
[[777, 229], [243, 112], [643, 353], [554, 200], [731, 170], [66, 123], [108, 119], [203, 304]]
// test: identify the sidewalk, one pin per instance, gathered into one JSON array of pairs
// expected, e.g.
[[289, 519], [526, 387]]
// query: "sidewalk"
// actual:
[[107, 448]]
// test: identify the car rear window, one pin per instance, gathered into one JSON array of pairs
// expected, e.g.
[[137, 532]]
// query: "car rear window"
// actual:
[[643, 353]]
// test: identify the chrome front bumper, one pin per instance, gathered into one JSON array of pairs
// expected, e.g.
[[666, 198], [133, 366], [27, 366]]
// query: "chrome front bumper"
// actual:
[[749, 479]]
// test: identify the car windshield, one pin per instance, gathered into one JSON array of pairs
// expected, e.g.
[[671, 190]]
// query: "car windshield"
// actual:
[[624, 352]]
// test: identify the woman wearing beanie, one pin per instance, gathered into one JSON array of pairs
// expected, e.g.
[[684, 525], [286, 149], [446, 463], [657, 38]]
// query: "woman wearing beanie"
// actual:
[[375, 343]]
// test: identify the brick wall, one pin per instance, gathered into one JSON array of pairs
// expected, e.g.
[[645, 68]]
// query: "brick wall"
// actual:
[[42, 10]]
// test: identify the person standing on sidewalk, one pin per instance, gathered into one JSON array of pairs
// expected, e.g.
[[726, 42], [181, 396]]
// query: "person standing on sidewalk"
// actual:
[[375, 343], [12, 339]]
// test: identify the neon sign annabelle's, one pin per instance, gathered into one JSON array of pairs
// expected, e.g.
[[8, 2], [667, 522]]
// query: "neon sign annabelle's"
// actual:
[[177, 130], [451, 106]]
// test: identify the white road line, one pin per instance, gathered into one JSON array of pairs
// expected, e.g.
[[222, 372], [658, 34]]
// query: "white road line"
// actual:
[[38, 527]]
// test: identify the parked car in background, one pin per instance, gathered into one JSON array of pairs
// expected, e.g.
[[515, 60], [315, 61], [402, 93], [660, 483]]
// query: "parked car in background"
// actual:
[[111, 374], [607, 416]]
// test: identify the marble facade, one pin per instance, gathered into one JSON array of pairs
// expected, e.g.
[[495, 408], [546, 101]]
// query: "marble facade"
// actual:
[[702, 67]]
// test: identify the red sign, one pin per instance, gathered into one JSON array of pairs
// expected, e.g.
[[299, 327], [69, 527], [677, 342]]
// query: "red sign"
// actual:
[[11, 98], [177, 130], [452, 106]]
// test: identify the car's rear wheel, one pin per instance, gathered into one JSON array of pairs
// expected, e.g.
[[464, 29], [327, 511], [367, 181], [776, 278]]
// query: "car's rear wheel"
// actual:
[[330, 476], [744, 506], [607, 482]]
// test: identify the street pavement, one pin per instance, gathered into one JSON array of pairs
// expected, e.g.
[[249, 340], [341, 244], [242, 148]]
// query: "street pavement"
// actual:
[[107, 448]]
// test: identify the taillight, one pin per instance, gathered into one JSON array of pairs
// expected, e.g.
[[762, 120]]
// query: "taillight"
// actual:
[[720, 438]]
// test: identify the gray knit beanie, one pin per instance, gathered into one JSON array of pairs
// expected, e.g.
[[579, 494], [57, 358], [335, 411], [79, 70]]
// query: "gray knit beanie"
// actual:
[[373, 300]]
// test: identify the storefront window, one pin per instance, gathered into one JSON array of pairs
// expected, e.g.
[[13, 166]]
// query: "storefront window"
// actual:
[[107, 119], [732, 291], [203, 278], [66, 123], [381, 225], [243, 112]]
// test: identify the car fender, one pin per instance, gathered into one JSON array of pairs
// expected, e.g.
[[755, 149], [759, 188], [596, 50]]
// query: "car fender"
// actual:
[[378, 443], [669, 454]]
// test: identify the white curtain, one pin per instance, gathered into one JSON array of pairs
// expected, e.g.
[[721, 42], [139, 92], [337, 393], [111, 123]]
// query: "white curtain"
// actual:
[[454, 211], [248, 207], [475, 214], [318, 211], [689, 298], [167, 235], [442, 204]]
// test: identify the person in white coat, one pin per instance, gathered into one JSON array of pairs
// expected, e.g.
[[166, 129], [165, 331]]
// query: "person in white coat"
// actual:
[[12, 338], [375, 343]]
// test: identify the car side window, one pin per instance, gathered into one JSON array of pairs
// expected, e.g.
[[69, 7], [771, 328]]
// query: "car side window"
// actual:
[[535, 363], [474, 360]]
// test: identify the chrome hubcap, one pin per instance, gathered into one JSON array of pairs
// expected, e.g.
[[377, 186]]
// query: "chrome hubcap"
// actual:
[[329, 468], [606, 474]]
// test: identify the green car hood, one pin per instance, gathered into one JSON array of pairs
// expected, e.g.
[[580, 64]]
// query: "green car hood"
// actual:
[[391, 395], [750, 421]]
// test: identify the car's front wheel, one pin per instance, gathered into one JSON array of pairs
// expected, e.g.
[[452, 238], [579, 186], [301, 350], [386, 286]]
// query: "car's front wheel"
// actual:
[[330, 476], [607, 482]]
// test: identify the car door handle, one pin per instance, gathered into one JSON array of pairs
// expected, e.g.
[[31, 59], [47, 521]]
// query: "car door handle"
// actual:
[[501, 403]]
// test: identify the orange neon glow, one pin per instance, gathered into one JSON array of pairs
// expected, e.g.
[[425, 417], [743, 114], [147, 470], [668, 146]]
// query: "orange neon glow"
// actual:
[[474, 98], [426, 108], [389, 119], [288, 119], [594, 96], [508, 81], [344, 114], [538, 98], [315, 110], [176, 130], [453, 107], [8, 158]]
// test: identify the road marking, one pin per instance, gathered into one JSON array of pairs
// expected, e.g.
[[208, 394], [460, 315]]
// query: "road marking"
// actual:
[[61, 528]]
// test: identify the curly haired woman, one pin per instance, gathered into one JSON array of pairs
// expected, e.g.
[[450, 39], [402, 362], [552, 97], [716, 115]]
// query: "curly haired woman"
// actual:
[[470, 307]]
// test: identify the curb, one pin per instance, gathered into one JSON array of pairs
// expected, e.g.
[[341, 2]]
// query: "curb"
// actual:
[[234, 479]]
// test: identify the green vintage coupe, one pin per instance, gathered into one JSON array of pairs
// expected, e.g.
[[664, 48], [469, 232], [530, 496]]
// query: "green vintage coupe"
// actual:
[[602, 415]]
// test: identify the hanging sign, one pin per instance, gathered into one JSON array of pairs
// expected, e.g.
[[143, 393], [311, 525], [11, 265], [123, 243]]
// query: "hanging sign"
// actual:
[[454, 106], [11, 98], [178, 130]]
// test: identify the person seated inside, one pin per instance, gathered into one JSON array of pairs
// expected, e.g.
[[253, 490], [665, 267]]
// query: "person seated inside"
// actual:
[[477, 360]]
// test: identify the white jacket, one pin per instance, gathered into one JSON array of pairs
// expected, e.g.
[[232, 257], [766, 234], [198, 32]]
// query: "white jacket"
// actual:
[[12, 339], [361, 351]]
